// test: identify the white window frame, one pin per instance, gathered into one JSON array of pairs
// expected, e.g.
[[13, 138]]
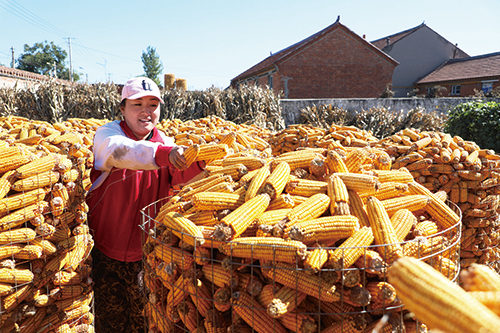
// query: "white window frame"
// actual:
[[455, 90]]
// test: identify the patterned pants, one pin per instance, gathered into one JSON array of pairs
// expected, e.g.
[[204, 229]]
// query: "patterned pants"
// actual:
[[118, 299]]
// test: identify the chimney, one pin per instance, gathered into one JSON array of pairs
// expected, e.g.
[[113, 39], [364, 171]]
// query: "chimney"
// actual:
[[388, 41], [364, 36]]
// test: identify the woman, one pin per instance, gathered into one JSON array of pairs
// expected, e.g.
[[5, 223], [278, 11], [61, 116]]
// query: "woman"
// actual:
[[134, 166]]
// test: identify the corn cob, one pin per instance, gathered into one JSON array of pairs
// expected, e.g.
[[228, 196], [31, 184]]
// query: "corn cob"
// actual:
[[189, 315], [284, 301], [191, 153], [208, 152], [381, 292], [219, 276], [277, 180], [403, 221], [184, 260], [424, 247], [5, 186], [490, 299], [268, 219], [29, 252], [43, 164], [214, 322], [19, 200], [296, 159], [351, 249], [251, 162], [183, 228], [12, 300], [236, 171], [398, 176], [203, 217], [40, 180], [315, 260], [306, 187], [254, 314], [387, 190], [411, 202], [15, 276], [323, 229], [234, 224], [13, 162], [437, 301], [425, 228], [383, 230], [222, 299], [335, 163], [216, 201], [17, 235], [266, 248], [355, 158], [360, 182], [202, 298], [337, 191], [257, 182], [445, 266], [8, 251], [439, 210], [283, 201], [479, 278], [356, 207]]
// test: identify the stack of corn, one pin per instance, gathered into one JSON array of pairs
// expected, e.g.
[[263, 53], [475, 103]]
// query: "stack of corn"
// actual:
[[299, 242], [300, 136], [469, 175], [213, 129], [444, 306], [44, 238]]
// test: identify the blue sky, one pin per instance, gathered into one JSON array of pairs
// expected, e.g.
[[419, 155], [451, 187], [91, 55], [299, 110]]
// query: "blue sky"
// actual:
[[210, 42]]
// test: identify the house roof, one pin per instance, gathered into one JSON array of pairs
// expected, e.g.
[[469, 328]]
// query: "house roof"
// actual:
[[386, 41], [382, 42], [482, 66], [13, 72], [291, 50]]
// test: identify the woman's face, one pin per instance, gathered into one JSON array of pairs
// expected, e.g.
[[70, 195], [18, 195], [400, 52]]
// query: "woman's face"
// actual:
[[141, 115]]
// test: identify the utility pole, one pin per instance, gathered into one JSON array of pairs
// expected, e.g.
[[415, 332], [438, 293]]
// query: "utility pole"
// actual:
[[13, 63], [70, 62]]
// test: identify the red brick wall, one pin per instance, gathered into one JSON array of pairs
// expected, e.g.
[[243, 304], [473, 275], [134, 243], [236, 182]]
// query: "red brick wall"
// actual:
[[336, 66], [466, 88]]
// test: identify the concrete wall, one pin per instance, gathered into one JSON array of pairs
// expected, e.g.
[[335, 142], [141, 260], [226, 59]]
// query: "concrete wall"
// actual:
[[291, 107]]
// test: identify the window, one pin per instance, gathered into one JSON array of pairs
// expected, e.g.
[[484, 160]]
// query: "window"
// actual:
[[455, 90], [486, 87], [270, 81]]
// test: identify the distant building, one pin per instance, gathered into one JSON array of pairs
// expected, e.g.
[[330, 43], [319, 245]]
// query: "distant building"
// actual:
[[419, 51], [463, 77], [12, 77], [333, 63]]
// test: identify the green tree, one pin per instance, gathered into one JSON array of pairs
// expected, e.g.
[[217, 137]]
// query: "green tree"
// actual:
[[40, 59], [151, 64]]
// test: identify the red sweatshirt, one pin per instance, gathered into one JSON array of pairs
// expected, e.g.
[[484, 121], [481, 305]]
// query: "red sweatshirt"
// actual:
[[128, 175]]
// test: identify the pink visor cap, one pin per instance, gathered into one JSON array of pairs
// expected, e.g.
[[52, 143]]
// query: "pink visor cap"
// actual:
[[138, 87]]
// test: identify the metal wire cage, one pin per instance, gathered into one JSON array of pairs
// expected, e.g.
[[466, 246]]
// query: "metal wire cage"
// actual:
[[199, 288]]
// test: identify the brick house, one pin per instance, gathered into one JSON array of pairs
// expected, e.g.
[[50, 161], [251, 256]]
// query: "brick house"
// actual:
[[463, 77], [419, 51], [12, 77], [332, 63]]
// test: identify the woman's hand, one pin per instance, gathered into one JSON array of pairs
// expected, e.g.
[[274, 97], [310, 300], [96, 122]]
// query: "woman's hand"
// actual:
[[176, 157]]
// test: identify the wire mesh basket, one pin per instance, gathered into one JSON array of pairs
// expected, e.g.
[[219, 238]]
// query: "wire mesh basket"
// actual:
[[219, 286]]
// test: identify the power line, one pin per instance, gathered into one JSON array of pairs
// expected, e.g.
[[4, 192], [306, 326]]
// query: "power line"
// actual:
[[14, 8]]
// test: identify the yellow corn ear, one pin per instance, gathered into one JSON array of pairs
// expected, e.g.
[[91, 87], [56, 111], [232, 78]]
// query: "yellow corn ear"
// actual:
[[13, 162], [37, 166], [37, 181], [191, 153], [355, 158], [360, 182], [257, 182], [250, 162], [216, 201], [447, 306], [17, 235], [183, 228], [410, 202], [335, 163], [285, 301], [439, 210], [356, 207], [403, 220], [22, 215], [306, 187], [325, 229], [337, 191], [383, 230], [277, 180], [479, 277], [266, 248], [351, 249], [316, 259], [15, 276], [5, 186], [236, 222], [19, 200]]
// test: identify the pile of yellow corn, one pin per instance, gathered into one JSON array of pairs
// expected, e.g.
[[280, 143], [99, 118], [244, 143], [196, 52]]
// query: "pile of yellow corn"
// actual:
[[468, 174], [44, 237], [298, 242]]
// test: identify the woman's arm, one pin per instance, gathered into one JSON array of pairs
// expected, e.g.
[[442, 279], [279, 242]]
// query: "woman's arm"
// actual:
[[113, 149]]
